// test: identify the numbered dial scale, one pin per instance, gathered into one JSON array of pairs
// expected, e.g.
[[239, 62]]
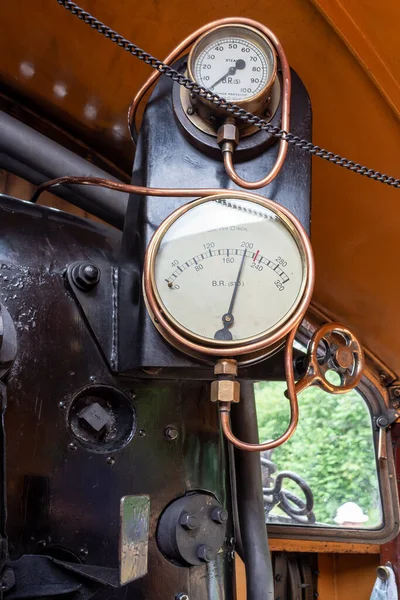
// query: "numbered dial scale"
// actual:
[[236, 62], [228, 275]]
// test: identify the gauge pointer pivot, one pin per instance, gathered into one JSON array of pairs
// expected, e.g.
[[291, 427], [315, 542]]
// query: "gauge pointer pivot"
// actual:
[[228, 319], [240, 64]]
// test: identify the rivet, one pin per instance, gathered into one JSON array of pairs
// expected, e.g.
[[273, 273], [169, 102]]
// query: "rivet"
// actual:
[[72, 446], [111, 460], [142, 432], [171, 432]]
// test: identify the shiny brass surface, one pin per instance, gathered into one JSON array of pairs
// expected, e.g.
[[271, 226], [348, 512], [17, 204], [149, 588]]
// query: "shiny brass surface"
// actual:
[[225, 390], [210, 127], [347, 353], [228, 132], [226, 366]]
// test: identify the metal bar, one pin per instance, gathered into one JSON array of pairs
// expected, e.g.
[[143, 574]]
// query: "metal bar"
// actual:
[[36, 158], [259, 575]]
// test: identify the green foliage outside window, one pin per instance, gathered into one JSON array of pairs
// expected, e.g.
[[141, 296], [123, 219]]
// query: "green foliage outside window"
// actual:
[[332, 448]]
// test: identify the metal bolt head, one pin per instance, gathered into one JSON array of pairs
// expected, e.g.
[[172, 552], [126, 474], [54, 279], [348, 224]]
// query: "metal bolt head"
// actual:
[[171, 433], [228, 132], [190, 110], [226, 366], [396, 403], [85, 276], [111, 461], [188, 521], [382, 421], [91, 273], [181, 596], [220, 515], [397, 392], [72, 446], [94, 417], [225, 390], [205, 553]]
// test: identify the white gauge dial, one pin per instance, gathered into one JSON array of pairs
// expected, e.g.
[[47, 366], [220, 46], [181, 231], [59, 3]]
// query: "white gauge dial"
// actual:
[[229, 271], [233, 67], [236, 62]]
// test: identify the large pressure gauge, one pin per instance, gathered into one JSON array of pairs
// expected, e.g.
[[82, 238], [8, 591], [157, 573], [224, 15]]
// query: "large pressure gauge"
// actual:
[[227, 276]]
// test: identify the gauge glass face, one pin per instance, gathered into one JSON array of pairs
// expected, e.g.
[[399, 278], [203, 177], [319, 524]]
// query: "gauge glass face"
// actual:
[[234, 67], [229, 270]]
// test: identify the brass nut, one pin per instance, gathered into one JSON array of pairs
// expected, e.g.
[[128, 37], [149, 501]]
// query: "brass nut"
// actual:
[[225, 390], [226, 366], [228, 132]]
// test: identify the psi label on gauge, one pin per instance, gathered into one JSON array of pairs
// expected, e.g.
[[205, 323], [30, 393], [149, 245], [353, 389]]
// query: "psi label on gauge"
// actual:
[[229, 271]]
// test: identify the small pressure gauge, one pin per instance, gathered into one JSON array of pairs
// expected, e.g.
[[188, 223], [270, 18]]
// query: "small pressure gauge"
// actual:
[[236, 62], [227, 276]]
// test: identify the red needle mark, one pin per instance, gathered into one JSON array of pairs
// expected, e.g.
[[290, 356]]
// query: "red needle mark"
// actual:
[[255, 256]]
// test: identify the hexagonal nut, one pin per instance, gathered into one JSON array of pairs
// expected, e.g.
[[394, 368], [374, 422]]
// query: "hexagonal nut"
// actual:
[[226, 366], [225, 390], [228, 132]]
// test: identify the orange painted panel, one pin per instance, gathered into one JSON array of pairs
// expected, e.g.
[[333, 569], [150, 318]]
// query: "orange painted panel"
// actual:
[[346, 577]]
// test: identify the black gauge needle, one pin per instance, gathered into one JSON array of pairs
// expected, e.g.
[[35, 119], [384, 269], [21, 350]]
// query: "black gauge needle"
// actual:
[[240, 64], [228, 319]]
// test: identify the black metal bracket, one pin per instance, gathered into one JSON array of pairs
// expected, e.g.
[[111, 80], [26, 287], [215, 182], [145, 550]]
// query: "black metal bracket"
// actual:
[[109, 297]]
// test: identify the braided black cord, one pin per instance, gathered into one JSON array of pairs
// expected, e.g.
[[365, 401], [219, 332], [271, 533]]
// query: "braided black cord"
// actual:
[[232, 109]]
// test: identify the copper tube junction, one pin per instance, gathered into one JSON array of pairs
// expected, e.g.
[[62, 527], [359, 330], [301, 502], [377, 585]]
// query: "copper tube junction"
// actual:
[[225, 408], [286, 93]]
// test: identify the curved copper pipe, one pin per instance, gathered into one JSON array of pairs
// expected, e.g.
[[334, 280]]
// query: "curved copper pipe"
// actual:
[[225, 408], [286, 93], [126, 187]]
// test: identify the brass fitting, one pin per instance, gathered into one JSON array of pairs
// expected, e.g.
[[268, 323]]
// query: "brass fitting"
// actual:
[[228, 135], [225, 390], [226, 366]]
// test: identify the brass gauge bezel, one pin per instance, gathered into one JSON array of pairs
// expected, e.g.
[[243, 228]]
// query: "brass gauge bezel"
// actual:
[[256, 103], [246, 350]]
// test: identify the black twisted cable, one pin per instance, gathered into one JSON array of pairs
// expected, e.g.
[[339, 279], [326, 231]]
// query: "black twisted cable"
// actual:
[[232, 109]]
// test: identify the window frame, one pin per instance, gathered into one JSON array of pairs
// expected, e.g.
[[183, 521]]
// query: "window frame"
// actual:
[[376, 396]]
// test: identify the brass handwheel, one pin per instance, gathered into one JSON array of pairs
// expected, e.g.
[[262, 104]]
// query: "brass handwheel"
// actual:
[[333, 347]]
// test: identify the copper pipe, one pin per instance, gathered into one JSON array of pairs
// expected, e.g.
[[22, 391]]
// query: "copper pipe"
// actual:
[[127, 188], [286, 93], [225, 408], [255, 185]]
